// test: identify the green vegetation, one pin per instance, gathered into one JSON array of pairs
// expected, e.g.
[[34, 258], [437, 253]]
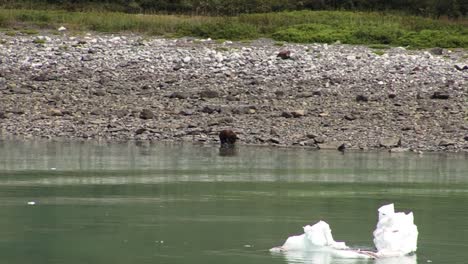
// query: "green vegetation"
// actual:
[[39, 41], [379, 52], [379, 46], [434, 8], [296, 26]]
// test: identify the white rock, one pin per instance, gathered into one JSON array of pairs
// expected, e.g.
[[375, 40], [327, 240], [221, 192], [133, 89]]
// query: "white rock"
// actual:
[[186, 59], [62, 28]]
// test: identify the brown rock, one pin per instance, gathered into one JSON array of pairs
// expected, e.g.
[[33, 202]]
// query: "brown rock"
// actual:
[[284, 54], [55, 112], [209, 94], [298, 113]]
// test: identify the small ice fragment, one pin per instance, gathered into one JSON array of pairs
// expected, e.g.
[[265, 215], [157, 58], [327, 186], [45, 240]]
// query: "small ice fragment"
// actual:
[[162, 242], [429, 261], [248, 246], [53, 168], [31, 203]]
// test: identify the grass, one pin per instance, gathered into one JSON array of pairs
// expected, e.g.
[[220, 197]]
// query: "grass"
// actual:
[[372, 29], [379, 46], [379, 52], [39, 41]]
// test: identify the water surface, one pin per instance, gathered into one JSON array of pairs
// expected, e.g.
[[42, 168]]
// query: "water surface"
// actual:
[[169, 203]]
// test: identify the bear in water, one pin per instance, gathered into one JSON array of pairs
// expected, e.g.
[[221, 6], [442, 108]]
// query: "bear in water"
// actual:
[[227, 137]]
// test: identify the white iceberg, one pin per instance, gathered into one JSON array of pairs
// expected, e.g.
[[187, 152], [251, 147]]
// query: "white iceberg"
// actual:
[[396, 235]]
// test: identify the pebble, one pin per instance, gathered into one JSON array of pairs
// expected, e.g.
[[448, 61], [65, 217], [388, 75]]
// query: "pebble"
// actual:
[[100, 86]]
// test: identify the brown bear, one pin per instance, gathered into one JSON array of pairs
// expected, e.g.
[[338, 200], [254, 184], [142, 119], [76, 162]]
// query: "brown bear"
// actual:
[[227, 137]]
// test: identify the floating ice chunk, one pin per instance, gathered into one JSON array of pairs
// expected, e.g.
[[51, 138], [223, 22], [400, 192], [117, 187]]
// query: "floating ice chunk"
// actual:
[[318, 237], [31, 203], [396, 235]]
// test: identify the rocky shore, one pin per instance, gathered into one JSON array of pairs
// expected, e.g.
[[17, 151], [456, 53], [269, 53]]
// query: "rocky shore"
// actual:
[[131, 87]]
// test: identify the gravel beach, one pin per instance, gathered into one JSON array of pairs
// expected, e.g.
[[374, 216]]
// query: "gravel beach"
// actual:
[[133, 87]]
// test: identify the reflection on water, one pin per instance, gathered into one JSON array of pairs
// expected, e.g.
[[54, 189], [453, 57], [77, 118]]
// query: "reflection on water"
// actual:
[[170, 203], [329, 257], [228, 151], [153, 162]]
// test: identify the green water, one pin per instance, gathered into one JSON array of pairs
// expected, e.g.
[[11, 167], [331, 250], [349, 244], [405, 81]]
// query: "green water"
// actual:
[[162, 203]]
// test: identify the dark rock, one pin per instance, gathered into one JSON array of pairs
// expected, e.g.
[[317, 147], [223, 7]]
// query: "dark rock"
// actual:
[[86, 58], [437, 51], [146, 114], [461, 67], [362, 98], [178, 67], [350, 117], [209, 94], [342, 147], [99, 92], [465, 138], [287, 114], [274, 140], [45, 77], [446, 142], [254, 82], [2, 115], [140, 131], [284, 54], [391, 95], [279, 94], [317, 93], [440, 95], [210, 109], [17, 111], [163, 85], [390, 142], [179, 95]]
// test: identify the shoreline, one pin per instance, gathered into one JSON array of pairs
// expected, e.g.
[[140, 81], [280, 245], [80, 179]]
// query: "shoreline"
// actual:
[[132, 87]]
